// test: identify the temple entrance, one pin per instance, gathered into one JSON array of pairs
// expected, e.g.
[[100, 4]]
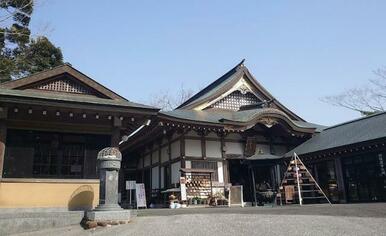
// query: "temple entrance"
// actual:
[[254, 176]]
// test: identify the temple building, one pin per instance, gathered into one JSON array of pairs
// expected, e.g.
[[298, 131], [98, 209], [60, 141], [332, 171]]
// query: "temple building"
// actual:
[[349, 159], [231, 133], [233, 129], [52, 125]]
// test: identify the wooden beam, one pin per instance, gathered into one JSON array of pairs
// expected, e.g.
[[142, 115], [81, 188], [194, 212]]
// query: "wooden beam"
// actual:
[[115, 137]]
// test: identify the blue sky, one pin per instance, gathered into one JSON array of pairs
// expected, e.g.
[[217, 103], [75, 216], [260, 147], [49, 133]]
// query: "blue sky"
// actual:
[[300, 51]]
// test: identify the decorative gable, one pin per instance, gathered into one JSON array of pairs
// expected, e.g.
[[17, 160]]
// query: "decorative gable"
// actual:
[[64, 85], [64, 79], [235, 100]]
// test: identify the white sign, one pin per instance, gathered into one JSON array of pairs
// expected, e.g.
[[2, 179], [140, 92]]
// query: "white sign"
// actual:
[[183, 188], [130, 184], [140, 195]]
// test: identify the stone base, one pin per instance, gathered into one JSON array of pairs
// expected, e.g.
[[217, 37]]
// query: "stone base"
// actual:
[[22, 220], [123, 215]]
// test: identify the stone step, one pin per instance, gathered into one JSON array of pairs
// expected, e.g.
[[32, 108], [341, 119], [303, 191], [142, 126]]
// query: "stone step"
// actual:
[[15, 220]]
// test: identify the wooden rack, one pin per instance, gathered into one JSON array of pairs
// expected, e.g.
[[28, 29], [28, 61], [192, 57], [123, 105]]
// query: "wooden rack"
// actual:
[[298, 185]]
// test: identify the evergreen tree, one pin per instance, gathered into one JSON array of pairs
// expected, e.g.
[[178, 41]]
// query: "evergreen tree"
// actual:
[[20, 54]]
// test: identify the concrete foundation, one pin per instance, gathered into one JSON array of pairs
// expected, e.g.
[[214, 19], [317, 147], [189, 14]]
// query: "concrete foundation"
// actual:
[[122, 215]]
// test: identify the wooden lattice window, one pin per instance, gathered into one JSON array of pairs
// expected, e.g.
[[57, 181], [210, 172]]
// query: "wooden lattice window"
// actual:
[[236, 100], [209, 165], [64, 85]]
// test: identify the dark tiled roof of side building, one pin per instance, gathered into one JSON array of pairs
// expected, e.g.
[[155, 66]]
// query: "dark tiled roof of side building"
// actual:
[[355, 131]]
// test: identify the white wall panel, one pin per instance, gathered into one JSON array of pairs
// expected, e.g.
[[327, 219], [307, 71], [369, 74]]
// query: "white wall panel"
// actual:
[[193, 148], [164, 154], [234, 148], [176, 149], [155, 177], [213, 149], [175, 169]]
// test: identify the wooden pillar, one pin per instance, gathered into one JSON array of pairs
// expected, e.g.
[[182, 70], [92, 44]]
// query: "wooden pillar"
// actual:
[[225, 163], [340, 180], [116, 134], [278, 175], [3, 137], [203, 146]]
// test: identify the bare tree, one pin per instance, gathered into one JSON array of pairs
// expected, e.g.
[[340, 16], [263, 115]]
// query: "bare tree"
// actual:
[[366, 100], [168, 101]]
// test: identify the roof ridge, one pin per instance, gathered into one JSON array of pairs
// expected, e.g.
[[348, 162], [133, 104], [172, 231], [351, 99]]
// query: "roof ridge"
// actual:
[[356, 120], [214, 83], [36, 73]]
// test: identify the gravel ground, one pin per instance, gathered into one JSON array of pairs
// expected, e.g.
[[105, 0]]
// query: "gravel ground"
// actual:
[[365, 219]]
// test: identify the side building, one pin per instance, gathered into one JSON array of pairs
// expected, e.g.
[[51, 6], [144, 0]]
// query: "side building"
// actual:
[[234, 129], [349, 160], [52, 125]]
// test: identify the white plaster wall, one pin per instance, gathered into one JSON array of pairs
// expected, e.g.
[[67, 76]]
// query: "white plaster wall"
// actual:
[[155, 177], [175, 169], [234, 148], [162, 177], [176, 149], [220, 170], [146, 160], [155, 157], [164, 154], [213, 149], [193, 148]]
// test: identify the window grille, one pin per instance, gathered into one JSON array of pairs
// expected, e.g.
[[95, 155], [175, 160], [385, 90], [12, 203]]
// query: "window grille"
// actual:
[[209, 165], [236, 100], [64, 85]]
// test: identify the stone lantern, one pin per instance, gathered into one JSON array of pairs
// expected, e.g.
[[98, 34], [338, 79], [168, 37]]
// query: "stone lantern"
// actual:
[[109, 162]]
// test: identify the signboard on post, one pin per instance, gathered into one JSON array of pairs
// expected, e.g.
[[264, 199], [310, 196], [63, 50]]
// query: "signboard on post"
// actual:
[[130, 184], [140, 195]]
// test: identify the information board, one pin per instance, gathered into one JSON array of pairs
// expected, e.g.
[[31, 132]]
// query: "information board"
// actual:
[[130, 184], [140, 195]]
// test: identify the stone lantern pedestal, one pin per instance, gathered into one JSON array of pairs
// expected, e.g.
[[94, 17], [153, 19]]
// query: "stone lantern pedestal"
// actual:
[[109, 163]]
